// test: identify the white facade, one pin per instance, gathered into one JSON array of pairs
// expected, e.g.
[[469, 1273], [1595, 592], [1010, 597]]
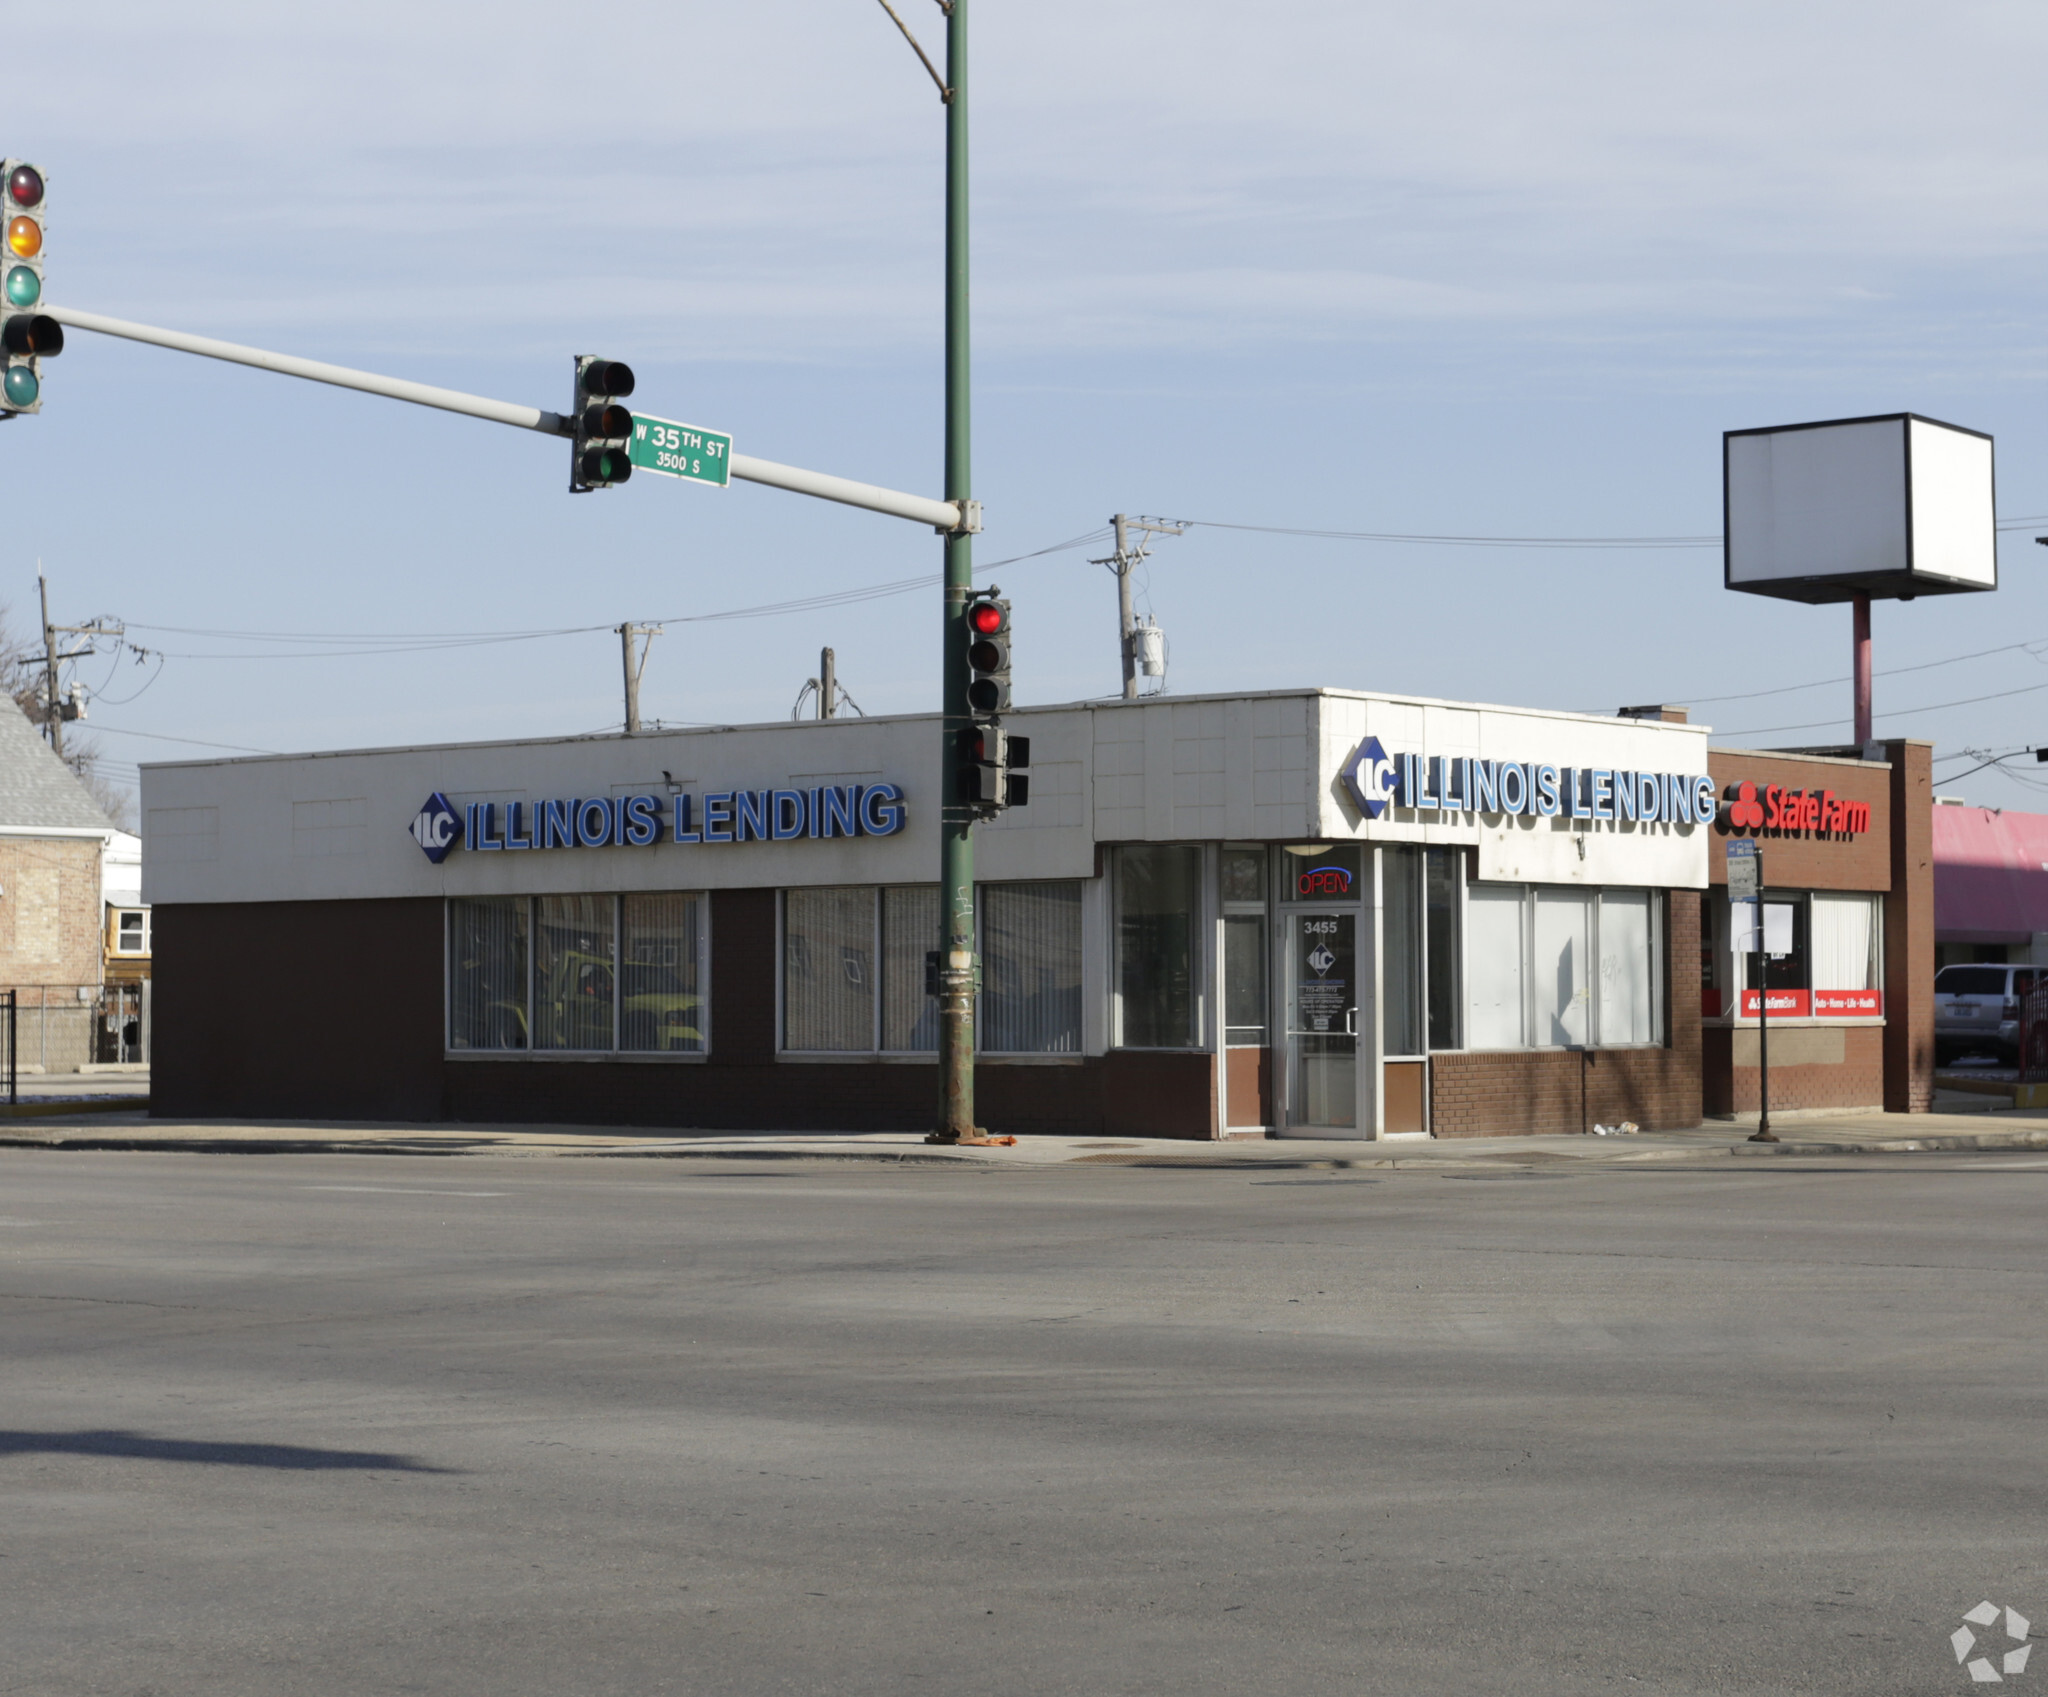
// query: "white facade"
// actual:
[[1259, 768]]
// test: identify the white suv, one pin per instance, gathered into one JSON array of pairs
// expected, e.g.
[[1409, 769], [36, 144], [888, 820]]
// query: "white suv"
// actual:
[[1977, 1010]]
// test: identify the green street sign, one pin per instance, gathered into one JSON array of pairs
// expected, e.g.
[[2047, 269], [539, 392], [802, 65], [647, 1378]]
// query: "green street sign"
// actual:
[[680, 450]]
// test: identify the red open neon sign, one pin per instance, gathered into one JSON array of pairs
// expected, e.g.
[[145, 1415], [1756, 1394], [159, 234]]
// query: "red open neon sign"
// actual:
[[1323, 881]]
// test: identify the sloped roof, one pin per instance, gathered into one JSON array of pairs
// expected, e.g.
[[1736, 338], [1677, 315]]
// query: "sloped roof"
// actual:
[[36, 788], [1990, 875]]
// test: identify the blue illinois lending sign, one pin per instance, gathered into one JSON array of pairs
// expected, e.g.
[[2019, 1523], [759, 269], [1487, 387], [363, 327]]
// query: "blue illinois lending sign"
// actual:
[[643, 821]]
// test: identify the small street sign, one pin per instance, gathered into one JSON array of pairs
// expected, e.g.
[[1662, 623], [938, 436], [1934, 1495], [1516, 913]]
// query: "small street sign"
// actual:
[[1745, 872], [680, 450]]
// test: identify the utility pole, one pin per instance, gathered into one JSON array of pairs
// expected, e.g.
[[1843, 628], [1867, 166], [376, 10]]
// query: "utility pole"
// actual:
[[1121, 562], [1126, 620], [56, 710], [958, 969], [52, 713], [634, 667], [828, 685]]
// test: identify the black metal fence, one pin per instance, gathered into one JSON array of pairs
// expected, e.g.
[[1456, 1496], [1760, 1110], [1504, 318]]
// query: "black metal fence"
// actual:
[[12, 1034]]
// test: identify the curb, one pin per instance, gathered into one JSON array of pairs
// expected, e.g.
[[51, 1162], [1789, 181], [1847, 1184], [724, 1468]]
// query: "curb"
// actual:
[[109, 1143], [57, 1110], [1902, 1145]]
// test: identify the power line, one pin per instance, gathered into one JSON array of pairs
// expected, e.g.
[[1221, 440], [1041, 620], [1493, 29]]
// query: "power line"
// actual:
[[1931, 707], [2031, 646], [194, 742], [395, 642], [1440, 540]]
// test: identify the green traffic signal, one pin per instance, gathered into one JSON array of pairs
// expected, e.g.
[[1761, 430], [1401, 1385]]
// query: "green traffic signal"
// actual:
[[21, 386], [24, 287], [599, 456]]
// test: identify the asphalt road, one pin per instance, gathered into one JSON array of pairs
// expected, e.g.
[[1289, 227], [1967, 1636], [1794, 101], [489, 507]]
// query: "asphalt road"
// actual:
[[580, 1427]]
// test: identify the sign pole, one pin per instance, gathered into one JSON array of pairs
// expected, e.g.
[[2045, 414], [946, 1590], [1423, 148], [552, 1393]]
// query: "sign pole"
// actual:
[[1746, 883], [1763, 1132], [956, 824]]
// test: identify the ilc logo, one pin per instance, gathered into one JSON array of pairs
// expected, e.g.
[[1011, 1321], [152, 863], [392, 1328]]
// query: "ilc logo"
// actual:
[[1369, 775], [435, 827], [1780, 809]]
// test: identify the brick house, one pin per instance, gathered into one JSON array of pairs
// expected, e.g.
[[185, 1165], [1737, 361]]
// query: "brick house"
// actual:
[[53, 839]]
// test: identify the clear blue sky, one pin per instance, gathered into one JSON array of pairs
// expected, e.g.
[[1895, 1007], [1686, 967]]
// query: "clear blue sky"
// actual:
[[1474, 267]]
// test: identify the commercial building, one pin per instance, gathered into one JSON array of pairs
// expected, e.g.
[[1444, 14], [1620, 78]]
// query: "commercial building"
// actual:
[[1990, 884], [1848, 870], [1309, 912]]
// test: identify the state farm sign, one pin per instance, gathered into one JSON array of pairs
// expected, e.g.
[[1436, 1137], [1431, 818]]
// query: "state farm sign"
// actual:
[[1819, 813]]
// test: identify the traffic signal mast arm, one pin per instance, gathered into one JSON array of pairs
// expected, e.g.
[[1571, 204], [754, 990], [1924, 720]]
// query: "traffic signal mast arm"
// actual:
[[946, 516]]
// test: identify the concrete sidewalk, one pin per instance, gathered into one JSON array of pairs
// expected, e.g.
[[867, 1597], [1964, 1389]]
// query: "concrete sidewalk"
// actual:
[[1859, 1134]]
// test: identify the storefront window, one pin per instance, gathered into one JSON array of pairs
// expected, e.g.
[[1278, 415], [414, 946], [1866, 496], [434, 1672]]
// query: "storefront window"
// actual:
[[910, 931], [487, 973], [1440, 939], [572, 972], [1847, 934], [568, 1002], [1158, 904], [661, 1004], [1627, 991], [1493, 965], [1243, 877], [834, 1000], [1031, 969], [1562, 968], [1562, 979], [828, 969], [1401, 952], [1790, 968]]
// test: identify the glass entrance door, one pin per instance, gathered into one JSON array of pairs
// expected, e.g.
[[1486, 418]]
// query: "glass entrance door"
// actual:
[[1322, 1020]]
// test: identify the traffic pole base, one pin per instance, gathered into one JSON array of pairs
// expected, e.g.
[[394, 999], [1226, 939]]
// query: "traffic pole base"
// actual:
[[1763, 1135], [980, 1140]]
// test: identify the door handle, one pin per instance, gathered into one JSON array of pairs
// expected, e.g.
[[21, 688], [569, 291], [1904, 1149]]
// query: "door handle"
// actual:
[[1351, 1022]]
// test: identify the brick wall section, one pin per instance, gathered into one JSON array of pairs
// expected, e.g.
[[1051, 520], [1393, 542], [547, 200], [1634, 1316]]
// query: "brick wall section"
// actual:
[[1909, 932], [1807, 860], [50, 911], [1856, 1081], [1549, 1090]]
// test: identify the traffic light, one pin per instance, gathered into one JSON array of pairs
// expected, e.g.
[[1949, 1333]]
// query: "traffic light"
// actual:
[[991, 758], [604, 428], [991, 762], [27, 334], [988, 656]]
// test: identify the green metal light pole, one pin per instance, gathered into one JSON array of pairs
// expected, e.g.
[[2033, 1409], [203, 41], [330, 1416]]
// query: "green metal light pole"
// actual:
[[957, 965]]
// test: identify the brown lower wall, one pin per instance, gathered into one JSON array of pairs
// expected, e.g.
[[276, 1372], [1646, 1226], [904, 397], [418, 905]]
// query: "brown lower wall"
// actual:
[[1562, 1090], [361, 1038], [1826, 1066]]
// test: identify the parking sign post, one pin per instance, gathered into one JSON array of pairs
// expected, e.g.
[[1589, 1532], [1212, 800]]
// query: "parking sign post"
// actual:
[[1746, 883]]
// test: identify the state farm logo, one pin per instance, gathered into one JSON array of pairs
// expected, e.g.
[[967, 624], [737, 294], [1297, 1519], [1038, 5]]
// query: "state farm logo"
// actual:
[[1745, 812], [435, 827], [1776, 808]]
